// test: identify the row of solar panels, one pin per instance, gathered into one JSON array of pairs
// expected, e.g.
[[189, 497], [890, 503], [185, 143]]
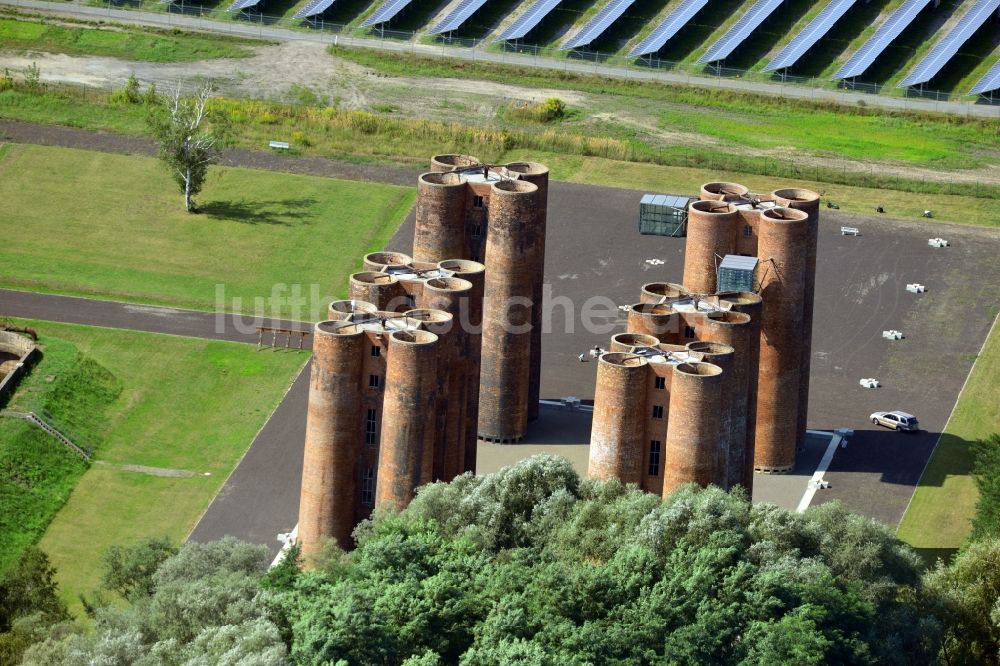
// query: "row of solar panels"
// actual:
[[891, 28]]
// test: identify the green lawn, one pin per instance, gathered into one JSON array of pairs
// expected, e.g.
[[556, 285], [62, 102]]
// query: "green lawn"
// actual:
[[118, 41], [73, 223], [939, 517], [745, 119], [37, 475], [857, 137], [184, 404], [73, 392], [385, 138]]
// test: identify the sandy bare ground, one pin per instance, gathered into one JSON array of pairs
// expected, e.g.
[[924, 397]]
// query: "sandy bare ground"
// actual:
[[298, 69]]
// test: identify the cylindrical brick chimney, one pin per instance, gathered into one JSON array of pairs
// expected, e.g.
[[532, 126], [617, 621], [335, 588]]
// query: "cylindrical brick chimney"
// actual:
[[382, 290], [808, 202], [471, 321], [627, 342], [537, 174], [659, 321], [446, 423], [618, 435], [735, 329], [450, 295], [784, 236], [408, 415], [723, 192], [376, 261], [450, 162], [750, 304], [711, 235], [333, 437], [439, 227], [510, 242], [696, 399], [346, 310], [723, 355], [657, 292]]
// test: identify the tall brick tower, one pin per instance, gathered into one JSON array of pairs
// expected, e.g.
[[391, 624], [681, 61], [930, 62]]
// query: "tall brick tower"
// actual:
[[781, 230], [495, 214], [710, 326], [807, 201], [783, 241], [659, 412], [393, 374], [511, 258], [329, 465]]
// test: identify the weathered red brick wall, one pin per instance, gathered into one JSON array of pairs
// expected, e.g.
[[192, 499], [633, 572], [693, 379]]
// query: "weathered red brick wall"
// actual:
[[509, 287], [697, 396], [808, 202], [408, 418], [333, 437], [783, 241], [618, 434]]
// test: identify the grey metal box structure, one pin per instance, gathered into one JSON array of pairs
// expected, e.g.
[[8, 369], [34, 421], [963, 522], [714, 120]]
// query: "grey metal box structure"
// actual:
[[737, 273], [663, 214]]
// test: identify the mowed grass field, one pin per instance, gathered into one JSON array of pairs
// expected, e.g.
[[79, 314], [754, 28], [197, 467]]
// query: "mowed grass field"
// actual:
[[852, 136], [75, 394], [185, 404], [939, 518], [119, 41], [114, 226]]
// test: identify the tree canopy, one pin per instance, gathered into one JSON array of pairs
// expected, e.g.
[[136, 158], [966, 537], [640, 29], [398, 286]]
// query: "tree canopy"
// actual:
[[204, 606], [533, 565], [987, 474]]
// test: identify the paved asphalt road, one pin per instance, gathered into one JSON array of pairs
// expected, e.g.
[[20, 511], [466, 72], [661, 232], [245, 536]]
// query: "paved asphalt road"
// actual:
[[269, 32], [260, 499], [137, 317]]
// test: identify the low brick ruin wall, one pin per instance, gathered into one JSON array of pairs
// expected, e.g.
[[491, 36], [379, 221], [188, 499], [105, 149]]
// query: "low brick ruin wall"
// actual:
[[26, 352]]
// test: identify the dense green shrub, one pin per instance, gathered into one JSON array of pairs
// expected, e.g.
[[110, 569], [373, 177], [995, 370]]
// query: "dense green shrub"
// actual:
[[986, 469], [534, 565]]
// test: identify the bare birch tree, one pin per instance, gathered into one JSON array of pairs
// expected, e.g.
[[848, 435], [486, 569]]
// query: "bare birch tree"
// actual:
[[186, 146]]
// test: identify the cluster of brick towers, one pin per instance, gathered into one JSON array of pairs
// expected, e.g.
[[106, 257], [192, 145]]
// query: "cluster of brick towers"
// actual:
[[708, 386], [436, 351], [431, 352]]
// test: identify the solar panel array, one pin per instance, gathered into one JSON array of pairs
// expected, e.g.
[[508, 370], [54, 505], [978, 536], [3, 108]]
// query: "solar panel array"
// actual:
[[385, 12], [811, 34], [879, 42], [456, 18], [313, 8], [990, 81], [527, 21], [240, 5], [945, 49], [676, 20], [740, 31], [597, 25]]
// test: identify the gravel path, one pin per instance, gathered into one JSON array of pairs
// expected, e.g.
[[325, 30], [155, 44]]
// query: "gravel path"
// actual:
[[68, 137]]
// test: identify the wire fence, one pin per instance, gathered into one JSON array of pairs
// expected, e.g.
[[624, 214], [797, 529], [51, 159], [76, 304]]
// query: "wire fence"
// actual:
[[251, 22]]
